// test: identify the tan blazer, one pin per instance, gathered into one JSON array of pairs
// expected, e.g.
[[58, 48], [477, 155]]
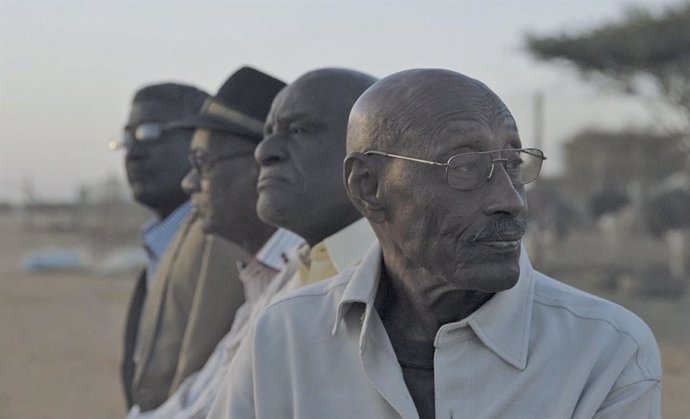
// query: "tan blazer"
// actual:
[[189, 308]]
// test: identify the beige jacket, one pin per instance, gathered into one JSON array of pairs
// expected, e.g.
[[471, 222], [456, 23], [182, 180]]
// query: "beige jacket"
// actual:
[[189, 308]]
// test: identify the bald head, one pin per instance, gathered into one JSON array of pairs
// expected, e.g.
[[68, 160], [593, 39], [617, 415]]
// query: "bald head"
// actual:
[[409, 109], [441, 184], [300, 181], [328, 90]]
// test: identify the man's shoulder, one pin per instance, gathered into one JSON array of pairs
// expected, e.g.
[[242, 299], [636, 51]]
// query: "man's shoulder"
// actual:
[[322, 291], [303, 303], [585, 306]]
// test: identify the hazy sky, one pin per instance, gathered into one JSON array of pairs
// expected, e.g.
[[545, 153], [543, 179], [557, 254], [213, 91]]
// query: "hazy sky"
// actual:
[[68, 69]]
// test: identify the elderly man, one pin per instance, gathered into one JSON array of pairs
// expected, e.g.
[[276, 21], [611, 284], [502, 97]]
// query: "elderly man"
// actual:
[[156, 162], [300, 184], [192, 306], [445, 318]]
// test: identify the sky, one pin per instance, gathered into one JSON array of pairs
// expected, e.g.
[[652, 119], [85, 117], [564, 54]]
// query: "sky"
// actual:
[[68, 69]]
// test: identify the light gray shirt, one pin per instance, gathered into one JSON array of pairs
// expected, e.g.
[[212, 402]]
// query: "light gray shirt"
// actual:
[[539, 350]]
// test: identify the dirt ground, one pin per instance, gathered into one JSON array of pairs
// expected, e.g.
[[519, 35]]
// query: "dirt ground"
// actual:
[[60, 346], [60, 338], [60, 334]]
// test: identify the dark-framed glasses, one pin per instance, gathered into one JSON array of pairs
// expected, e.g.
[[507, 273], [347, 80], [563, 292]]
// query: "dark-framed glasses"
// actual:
[[202, 162], [146, 132], [469, 171]]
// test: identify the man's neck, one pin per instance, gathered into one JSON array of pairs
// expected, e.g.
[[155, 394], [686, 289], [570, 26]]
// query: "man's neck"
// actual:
[[252, 243], [417, 303], [322, 231], [164, 211]]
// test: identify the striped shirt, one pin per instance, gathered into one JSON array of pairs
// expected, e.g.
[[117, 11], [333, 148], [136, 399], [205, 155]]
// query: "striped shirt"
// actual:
[[156, 236]]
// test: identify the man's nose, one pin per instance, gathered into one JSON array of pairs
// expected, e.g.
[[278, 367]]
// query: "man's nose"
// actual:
[[270, 150], [191, 183], [504, 197]]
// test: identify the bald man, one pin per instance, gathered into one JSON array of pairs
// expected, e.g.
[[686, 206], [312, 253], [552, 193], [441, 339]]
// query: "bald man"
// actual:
[[300, 188], [445, 318]]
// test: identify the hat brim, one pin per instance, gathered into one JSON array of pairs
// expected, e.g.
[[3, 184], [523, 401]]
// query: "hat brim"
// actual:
[[201, 121]]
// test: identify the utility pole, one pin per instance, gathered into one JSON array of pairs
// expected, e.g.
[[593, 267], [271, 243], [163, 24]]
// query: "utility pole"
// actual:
[[539, 245], [539, 120]]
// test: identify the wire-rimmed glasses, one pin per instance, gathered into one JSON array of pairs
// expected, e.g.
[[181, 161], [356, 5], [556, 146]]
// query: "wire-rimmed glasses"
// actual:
[[469, 171], [146, 132]]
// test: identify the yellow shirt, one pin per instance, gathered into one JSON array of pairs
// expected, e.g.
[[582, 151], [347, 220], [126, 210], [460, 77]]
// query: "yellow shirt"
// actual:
[[335, 253]]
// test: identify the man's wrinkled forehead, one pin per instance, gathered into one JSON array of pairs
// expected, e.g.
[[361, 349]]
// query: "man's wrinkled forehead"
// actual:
[[477, 134], [452, 121], [468, 100], [475, 124]]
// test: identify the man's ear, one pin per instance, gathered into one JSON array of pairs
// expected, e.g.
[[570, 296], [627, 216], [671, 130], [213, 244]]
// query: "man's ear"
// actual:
[[363, 187]]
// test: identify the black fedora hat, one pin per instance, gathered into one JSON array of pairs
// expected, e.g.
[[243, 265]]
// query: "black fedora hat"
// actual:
[[239, 107]]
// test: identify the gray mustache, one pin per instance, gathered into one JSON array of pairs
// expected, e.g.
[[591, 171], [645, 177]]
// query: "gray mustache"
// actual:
[[502, 228]]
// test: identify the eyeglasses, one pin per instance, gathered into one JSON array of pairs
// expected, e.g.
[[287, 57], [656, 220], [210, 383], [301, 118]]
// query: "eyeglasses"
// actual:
[[202, 162], [146, 132], [471, 170]]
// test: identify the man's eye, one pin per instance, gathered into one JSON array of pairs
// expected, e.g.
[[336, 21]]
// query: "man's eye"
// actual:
[[297, 130], [268, 130], [468, 167], [514, 165]]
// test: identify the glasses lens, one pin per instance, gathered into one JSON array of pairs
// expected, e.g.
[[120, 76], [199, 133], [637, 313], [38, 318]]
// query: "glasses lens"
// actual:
[[148, 132], [524, 166], [468, 171]]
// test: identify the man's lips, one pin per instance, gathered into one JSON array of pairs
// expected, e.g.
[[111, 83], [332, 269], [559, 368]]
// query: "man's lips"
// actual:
[[500, 244], [270, 180]]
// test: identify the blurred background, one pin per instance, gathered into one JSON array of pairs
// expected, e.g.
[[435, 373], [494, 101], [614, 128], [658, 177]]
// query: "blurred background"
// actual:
[[602, 86]]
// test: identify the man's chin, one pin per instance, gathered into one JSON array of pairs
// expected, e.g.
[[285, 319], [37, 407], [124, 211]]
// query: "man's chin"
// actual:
[[145, 196], [489, 272], [502, 281], [273, 211]]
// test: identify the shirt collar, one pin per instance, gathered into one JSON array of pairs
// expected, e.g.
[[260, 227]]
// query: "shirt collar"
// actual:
[[502, 323], [273, 253], [335, 253], [361, 288], [156, 234]]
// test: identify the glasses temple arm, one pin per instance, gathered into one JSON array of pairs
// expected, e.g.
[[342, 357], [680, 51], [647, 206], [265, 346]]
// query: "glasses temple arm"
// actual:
[[382, 153]]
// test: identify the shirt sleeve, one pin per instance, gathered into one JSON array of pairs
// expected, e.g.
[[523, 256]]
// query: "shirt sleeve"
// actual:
[[235, 398], [637, 391], [638, 400]]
